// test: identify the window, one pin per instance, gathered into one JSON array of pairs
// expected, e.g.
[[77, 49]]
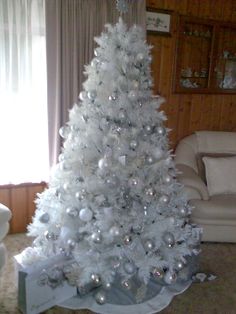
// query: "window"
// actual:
[[23, 97]]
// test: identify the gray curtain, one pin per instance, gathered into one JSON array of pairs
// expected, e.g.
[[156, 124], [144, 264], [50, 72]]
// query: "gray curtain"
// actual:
[[71, 26]]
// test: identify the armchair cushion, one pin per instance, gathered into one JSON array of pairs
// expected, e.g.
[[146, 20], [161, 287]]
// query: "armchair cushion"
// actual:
[[220, 175], [191, 180], [5, 214]]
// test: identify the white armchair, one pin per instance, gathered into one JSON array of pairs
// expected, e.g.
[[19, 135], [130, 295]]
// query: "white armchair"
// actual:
[[215, 212], [5, 216]]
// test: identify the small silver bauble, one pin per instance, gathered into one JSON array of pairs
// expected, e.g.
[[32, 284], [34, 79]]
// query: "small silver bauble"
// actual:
[[50, 236], [127, 239], [133, 95], [157, 273], [112, 181], [104, 163], [183, 212], [129, 267], [79, 196], [126, 284], [96, 279], [135, 84], [71, 243], [83, 95], [161, 130], [92, 94], [140, 57], [167, 178], [170, 277], [133, 182], [149, 192], [96, 53], [95, 62], [63, 131], [44, 218], [149, 160], [164, 199], [100, 297], [107, 285], [72, 212], [157, 153], [148, 129], [168, 238], [115, 262], [133, 144], [149, 245], [122, 115], [114, 231], [96, 237], [179, 265], [85, 214]]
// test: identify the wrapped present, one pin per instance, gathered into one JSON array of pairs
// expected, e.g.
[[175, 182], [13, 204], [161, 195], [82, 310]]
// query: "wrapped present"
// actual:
[[43, 284]]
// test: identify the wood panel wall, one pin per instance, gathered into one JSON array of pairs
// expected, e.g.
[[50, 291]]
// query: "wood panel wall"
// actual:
[[20, 200], [187, 113]]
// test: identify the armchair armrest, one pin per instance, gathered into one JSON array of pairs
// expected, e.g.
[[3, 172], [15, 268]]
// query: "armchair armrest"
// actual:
[[194, 185]]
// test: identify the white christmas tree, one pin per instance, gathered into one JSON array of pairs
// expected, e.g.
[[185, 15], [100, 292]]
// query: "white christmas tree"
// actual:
[[113, 202]]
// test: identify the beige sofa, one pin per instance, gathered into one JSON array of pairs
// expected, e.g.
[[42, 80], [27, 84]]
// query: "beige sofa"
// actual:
[[214, 211], [5, 216]]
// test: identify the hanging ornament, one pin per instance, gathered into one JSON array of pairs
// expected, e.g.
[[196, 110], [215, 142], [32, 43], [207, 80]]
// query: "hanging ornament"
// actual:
[[113, 96], [126, 284], [157, 153], [122, 160], [168, 238], [170, 277], [96, 52], [149, 245], [140, 57], [148, 129], [44, 218], [96, 237], [179, 265], [95, 62], [79, 196], [135, 84], [95, 279], [183, 212], [149, 160], [100, 297], [112, 182], [107, 285], [129, 267], [150, 192], [115, 231], [122, 115], [133, 144], [85, 214], [50, 236], [164, 199], [167, 178], [83, 95], [157, 273], [64, 131], [92, 94], [72, 212], [134, 183], [160, 130], [115, 262]]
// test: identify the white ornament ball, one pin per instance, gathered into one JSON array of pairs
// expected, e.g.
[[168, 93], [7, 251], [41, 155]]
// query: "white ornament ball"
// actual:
[[100, 297], [107, 285], [122, 115], [85, 214], [96, 53], [83, 95], [96, 237], [149, 245], [135, 84], [149, 160], [71, 244], [161, 130], [168, 238], [157, 153], [92, 94], [64, 131], [148, 129], [140, 57], [133, 144], [104, 163], [167, 178], [72, 212], [127, 239], [164, 199], [44, 218], [114, 231], [133, 95], [157, 273], [179, 265], [149, 192], [183, 212]]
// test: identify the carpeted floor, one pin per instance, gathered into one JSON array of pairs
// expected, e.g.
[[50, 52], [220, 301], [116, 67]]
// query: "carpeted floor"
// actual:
[[213, 297]]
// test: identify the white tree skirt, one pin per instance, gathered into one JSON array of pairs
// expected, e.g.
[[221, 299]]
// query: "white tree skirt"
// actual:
[[152, 305]]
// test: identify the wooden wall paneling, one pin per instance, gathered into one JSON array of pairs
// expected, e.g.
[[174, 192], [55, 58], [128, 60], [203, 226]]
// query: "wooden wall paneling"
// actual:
[[183, 117], [195, 114], [19, 207], [225, 112], [193, 7], [215, 113]]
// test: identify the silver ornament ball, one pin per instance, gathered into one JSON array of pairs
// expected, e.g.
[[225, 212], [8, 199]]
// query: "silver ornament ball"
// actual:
[[100, 297], [85, 214], [96, 237], [114, 231], [127, 239], [126, 284], [133, 95], [44, 218], [83, 95], [133, 144], [168, 239], [129, 267], [72, 212], [149, 245], [161, 130], [164, 199], [170, 277], [95, 279], [157, 273], [92, 94], [71, 244]]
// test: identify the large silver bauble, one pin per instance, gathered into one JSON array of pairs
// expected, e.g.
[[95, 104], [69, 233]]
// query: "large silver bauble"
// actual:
[[92, 94], [170, 277], [149, 245], [100, 297], [168, 238], [96, 237], [44, 218], [85, 214], [129, 267], [115, 231], [95, 279], [72, 212], [83, 95], [127, 239]]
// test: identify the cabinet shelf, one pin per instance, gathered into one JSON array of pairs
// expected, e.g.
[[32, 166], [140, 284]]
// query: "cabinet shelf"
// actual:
[[208, 47]]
